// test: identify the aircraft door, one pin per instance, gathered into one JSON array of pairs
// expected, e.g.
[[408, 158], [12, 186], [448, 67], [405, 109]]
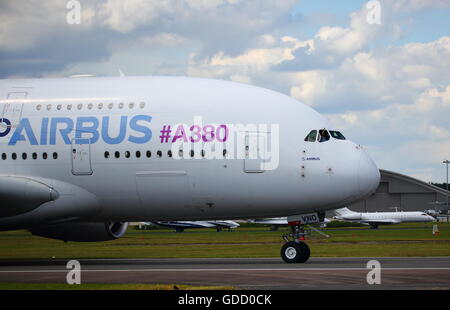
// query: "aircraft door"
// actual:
[[81, 156], [12, 109], [255, 157]]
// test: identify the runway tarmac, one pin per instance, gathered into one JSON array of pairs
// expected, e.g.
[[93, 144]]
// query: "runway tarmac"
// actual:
[[259, 273]]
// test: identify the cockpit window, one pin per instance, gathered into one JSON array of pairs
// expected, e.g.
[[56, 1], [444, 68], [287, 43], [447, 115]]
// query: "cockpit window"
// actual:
[[337, 135], [323, 135], [311, 137]]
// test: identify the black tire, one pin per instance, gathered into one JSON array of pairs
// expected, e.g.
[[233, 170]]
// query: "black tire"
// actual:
[[295, 252]]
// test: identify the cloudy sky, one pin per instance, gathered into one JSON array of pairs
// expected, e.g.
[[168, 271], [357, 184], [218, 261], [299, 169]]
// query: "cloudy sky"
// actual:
[[382, 79]]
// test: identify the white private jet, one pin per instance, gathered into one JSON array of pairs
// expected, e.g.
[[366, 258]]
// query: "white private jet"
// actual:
[[276, 222], [180, 226], [82, 157], [374, 219]]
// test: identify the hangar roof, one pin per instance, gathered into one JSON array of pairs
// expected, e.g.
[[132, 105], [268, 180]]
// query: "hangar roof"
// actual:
[[408, 179]]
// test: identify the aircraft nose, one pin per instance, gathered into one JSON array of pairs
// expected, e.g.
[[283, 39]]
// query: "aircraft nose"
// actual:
[[368, 175]]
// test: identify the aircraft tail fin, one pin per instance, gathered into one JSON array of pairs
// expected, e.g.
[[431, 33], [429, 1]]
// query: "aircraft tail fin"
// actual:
[[343, 211]]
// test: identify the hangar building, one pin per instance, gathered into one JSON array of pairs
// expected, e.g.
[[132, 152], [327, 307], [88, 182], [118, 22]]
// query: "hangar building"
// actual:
[[402, 192]]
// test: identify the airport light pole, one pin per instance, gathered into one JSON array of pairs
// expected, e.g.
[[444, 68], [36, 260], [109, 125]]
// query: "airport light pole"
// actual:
[[446, 162]]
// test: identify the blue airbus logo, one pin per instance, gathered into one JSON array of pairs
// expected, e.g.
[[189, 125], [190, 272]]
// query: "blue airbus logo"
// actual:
[[87, 129]]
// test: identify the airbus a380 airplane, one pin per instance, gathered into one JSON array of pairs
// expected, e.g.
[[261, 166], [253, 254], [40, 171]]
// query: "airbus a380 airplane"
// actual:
[[81, 157]]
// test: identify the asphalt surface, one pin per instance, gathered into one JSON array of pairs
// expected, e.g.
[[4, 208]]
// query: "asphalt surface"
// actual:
[[260, 273]]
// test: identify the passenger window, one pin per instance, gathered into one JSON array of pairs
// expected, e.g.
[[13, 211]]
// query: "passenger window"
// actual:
[[149, 154], [106, 154], [34, 155], [4, 156], [323, 135], [44, 155], [127, 154], [55, 155], [311, 137], [159, 154], [117, 154], [337, 135], [138, 154]]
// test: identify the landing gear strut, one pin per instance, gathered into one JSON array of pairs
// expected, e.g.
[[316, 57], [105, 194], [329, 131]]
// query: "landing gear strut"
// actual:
[[294, 250]]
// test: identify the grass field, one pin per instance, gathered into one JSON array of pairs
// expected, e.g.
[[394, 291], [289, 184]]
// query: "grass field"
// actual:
[[398, 240]]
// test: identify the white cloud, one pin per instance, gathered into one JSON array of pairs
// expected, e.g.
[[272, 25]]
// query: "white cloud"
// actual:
[[393, 76], [29, 29], [252, 61], [22, 23], [404, 137]]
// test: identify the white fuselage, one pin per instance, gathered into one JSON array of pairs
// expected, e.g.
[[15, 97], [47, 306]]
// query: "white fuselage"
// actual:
[[103, 145]]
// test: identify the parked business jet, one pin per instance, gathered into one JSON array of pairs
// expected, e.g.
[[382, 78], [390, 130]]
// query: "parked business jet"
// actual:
[[180, 226], [374, 219], [81, 157], [276, 222]]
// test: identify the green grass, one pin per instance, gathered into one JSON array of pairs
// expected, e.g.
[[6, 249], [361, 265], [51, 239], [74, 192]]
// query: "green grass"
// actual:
[[398, 240]]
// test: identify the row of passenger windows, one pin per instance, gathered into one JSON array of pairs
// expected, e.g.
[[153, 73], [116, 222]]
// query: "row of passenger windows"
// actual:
[[159, 154], [34, 156], [91, 106], [116, 154], [323, 135]]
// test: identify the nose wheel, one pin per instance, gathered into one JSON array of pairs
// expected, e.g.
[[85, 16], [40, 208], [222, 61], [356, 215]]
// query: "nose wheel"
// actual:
[[294, 250]]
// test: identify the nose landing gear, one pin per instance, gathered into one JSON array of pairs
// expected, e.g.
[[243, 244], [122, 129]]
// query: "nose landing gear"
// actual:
[[294, 250]]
